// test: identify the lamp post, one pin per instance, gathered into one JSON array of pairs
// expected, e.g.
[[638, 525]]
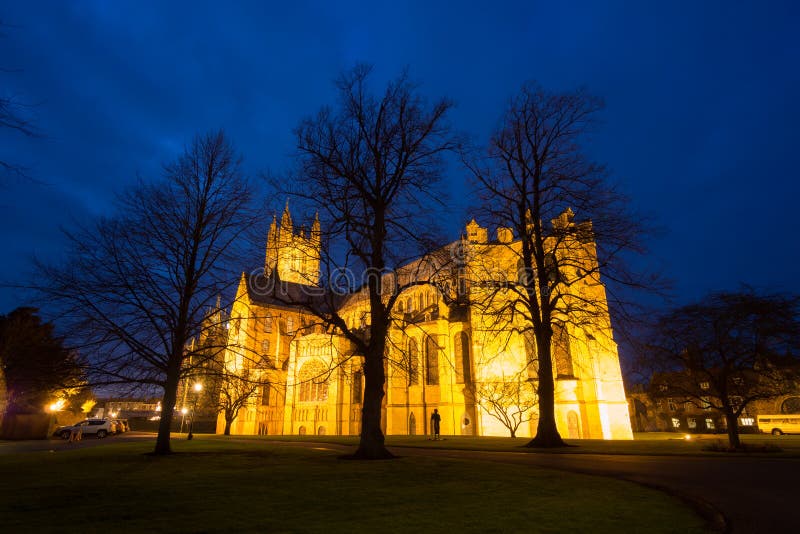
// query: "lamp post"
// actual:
[[184, 411], [198, 387]]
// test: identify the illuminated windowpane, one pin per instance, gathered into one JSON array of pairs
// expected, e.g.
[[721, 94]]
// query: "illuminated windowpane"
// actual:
[[313, 385]]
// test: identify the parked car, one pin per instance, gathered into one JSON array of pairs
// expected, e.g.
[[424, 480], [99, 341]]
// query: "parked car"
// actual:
[[97, 427]]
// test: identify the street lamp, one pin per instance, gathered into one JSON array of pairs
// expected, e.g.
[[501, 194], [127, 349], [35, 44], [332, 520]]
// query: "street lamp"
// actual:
[[198, 387], [53, 408]]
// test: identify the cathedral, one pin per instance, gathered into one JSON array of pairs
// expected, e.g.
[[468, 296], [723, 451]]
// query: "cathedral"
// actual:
[[447, 348]]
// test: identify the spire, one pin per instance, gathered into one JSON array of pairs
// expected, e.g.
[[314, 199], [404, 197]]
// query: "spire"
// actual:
[[286, 219], [315, 232], [272, 247], [273, 227]]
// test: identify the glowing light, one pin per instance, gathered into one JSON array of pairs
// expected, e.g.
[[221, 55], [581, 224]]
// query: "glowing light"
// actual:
[[56, 406], [184, 410], [687, 437], [198, 387]]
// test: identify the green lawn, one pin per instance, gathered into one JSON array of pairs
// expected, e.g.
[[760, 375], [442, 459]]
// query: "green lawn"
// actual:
[[643, 444], [218, 485]]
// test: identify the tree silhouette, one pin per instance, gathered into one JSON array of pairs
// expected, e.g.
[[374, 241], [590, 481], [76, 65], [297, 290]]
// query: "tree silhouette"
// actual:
[[370, 167], [564, 225], [725, 352], [138, 286]]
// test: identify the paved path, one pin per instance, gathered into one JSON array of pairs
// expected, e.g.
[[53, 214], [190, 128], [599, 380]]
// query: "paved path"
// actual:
[[754, 494], [58, 444]]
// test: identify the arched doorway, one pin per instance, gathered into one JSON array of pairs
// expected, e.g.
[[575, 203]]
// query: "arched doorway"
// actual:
[[412, 425], [573, 427]]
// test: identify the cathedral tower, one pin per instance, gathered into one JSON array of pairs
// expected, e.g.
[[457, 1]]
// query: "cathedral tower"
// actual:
[[293, 257]]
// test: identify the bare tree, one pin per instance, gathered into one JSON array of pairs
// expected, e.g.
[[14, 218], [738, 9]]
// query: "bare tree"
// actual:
[[531, 180], [137, 287], [235, 391], [509, 399], [370, 167], [14, 116], [726, 352]]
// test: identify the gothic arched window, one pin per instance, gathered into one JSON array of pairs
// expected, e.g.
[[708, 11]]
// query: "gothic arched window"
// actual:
[[413, 362], [431, 362], [313, 382], [463, 365]]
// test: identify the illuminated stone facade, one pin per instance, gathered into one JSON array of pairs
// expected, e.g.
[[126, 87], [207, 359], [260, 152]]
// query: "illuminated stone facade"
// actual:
[[445, 351]]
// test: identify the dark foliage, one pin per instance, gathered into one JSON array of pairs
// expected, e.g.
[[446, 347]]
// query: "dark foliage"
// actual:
[[35, 363]]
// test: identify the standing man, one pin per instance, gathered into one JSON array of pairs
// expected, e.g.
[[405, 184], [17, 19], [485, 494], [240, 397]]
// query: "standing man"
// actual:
[[435, 420]]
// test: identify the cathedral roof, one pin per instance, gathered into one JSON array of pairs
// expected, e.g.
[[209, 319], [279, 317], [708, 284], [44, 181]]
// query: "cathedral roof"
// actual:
[[272, 291]]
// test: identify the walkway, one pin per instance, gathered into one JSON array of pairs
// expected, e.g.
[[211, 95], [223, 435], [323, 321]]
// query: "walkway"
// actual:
[[754, 494]]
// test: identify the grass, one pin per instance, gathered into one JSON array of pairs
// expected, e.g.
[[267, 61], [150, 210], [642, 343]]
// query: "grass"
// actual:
[[655, 443], [216, 485]]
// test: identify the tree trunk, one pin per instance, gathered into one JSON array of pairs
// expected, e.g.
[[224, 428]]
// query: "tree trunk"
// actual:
[[228, 423], [167, 411], [168, 404], [371, 445], [546, 431], [733, 431], [513, 434]]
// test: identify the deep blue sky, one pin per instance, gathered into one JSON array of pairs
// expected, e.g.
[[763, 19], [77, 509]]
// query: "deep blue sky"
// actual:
[[700, 125]]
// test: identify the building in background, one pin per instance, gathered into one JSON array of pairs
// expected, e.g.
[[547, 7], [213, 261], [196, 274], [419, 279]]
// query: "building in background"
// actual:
[[656, 409]]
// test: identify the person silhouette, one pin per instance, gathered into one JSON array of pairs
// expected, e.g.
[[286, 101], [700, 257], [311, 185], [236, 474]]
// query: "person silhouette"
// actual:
[[435, 420]]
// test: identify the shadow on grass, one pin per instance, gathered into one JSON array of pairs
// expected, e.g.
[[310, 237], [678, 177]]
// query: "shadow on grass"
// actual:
[[722, 446], [353, 457]]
